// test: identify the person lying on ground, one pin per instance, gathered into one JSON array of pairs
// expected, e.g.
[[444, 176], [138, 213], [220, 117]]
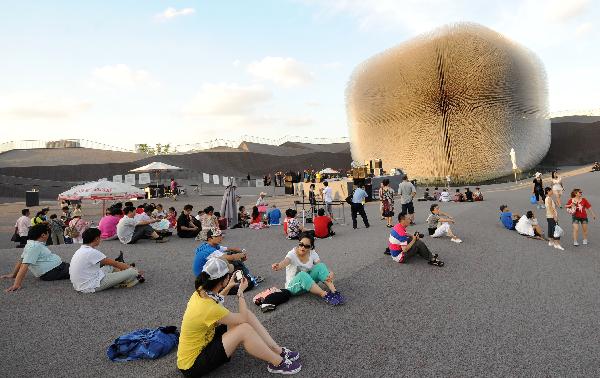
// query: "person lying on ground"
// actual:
[[186, 228], [438, 226], [91, 271], [528, 226], [292, 226], [210, 333], [508, 219], [274, 215], [304, 271], [38, 259], [402, 246], [323, 225], [130, 231], [108, 224], [212, 249]]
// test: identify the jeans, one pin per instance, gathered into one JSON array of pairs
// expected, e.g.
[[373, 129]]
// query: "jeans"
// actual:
[[303, 281], [358, 208], [419, 248], [61, 272], [112, 279], [141, 232]]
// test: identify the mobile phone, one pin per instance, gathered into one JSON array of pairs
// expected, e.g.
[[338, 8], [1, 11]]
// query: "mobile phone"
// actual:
[[237, 275]]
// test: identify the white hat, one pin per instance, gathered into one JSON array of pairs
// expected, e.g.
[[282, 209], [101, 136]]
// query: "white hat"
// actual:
[[538, 174], [262, 194], [215, 268]]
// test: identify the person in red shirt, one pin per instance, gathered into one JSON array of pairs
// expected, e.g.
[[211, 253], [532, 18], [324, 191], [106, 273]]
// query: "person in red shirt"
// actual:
[[323, 225], [577, 206]]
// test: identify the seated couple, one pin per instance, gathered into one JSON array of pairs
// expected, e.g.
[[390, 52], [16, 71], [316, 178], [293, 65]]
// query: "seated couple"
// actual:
[[210, 333], [438, 226], [130, 230], [402, 246], [304, 271], [234, 257], [525, 225]]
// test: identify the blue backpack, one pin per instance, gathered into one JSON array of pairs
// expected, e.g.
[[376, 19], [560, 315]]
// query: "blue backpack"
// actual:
[[143, 343]]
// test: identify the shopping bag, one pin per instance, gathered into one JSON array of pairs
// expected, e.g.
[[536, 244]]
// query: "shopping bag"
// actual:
[[558, 231], [532, 199]]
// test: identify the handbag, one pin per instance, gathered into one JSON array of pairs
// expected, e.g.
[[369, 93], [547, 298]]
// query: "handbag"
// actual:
[[15, 236], [72, 231], [532, 199], [558, 231]]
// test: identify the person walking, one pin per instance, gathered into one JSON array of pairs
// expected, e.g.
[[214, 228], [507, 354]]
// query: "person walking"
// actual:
[[552, 218], [22, 227], [407, 193], [557, 188], [538, 190], [357, 206], [387, 202], [327, 194], [577, 206]]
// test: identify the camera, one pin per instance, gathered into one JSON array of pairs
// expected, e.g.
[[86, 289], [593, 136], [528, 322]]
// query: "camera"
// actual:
[[419, 234], [238, 275]]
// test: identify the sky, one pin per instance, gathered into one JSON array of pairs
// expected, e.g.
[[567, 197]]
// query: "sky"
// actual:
[[128, 72]]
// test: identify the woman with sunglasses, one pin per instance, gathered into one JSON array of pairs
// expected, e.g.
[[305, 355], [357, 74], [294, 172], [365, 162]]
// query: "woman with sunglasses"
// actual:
[[210, 333], [577, 206], [304, 270]]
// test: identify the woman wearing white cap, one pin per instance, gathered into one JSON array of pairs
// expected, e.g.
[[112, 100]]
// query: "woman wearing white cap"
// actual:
[[538, 190], [210, 333]]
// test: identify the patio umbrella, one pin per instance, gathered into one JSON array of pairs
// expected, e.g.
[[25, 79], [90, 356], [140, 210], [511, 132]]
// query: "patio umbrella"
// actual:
[[229, 207], [102, 190], [156, 167], [328, 171]]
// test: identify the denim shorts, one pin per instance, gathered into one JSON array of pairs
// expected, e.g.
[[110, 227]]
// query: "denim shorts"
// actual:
[[580, 220]]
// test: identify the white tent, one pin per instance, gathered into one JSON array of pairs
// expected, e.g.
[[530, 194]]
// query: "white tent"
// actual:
[[102, 190], [156, 166], [328, 171]]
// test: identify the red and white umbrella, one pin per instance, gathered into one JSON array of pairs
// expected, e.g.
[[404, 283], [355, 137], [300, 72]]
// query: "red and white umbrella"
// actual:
[[102, 190]]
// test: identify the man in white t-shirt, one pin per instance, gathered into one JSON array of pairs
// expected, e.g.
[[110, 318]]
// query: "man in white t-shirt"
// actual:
[[528, 226], [407, 193], [327, 194], [130, 230], [22, 227], [91, 271]]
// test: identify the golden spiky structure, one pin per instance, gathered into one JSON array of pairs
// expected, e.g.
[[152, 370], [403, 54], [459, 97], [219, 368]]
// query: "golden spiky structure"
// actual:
[[450, 102]]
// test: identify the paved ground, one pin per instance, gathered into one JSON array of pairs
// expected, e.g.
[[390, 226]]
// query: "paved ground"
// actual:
[[503, 305]]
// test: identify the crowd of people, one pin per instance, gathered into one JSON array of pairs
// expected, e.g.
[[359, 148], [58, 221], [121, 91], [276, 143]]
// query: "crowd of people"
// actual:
[[210, 333]]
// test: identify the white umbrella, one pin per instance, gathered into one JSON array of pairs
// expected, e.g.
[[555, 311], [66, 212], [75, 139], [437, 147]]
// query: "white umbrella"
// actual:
[[157, 167], [102, 190], [328, 171]]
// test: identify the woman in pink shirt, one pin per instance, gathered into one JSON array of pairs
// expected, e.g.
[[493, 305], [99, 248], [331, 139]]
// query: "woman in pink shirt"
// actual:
[[108, 225]]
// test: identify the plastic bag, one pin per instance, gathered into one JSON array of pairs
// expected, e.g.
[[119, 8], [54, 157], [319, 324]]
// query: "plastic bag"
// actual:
[[532, 199], [558, 231]]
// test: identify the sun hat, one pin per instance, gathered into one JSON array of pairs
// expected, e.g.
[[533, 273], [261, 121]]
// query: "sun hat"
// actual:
[[212, 233], [262, 194], [538, 174], [215, 268]]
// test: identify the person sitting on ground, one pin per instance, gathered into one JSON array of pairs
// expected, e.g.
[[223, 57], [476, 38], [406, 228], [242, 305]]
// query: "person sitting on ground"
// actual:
[[76, 227], [22, 227], [243, 218], [438, 226], [426, 196], [38, 259], [445, 195], [172, 218], [292, 225], [212, 249], [256, 219], [436, 194], [596, 167], [528, 226], [304, 271], [159, 212], [108, 224], [130, 231], [274, 215], [323, 225], [140, 208], [210, 334], [477, 195], [208, 221], [458, 196], [468, 195], [160, 226], [185, 227], [508, 219], [91, 271], [57, 229], [402, 246], [222, 221]]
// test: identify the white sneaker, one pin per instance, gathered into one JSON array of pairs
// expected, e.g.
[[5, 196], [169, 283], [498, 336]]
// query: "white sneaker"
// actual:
[[543, 206], [558, 246], [575, 243], [584, 241], [550, 244], [456, 240]]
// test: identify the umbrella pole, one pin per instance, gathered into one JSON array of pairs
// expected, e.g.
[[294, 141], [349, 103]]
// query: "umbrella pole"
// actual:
[[103, 208]]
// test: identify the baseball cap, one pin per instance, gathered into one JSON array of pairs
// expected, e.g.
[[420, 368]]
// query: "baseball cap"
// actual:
[[215, 268], [212, 233]]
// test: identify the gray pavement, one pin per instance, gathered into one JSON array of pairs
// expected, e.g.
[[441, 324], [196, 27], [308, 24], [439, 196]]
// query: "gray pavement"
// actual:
[[504, 305]]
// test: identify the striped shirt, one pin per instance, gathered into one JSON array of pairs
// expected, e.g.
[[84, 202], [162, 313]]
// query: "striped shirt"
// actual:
[[398, 239]]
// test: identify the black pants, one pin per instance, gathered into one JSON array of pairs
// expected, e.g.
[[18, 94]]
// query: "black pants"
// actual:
[[358, 208], [22, 241], [551, 227], [188, 233], [61, 272], [144, 231], [419, 248]]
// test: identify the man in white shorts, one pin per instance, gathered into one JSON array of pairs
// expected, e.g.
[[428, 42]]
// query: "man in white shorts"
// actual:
[[439, 226]]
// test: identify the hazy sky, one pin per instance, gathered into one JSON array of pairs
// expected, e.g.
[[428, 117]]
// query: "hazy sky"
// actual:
[[125, 72]]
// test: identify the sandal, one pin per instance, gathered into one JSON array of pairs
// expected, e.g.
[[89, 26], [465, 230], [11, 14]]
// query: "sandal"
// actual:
[[435, 262]]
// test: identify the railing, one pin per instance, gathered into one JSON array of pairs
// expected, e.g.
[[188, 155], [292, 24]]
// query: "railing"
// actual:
[[62, 143]]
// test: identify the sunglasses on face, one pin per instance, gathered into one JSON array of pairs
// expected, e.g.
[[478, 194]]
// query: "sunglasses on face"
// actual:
[[301, 245]]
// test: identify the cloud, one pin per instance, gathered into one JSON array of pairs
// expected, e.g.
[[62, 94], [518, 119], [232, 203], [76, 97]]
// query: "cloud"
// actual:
[[563, 11], [584, 29], [226, 99], [33, 105], [286, 72], [236, 63], [170, 13], [122, 76]]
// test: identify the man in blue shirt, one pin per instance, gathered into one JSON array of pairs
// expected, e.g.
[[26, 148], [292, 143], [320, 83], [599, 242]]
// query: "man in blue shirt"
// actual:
[[508, 219], [274, 216], [357, 206]]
